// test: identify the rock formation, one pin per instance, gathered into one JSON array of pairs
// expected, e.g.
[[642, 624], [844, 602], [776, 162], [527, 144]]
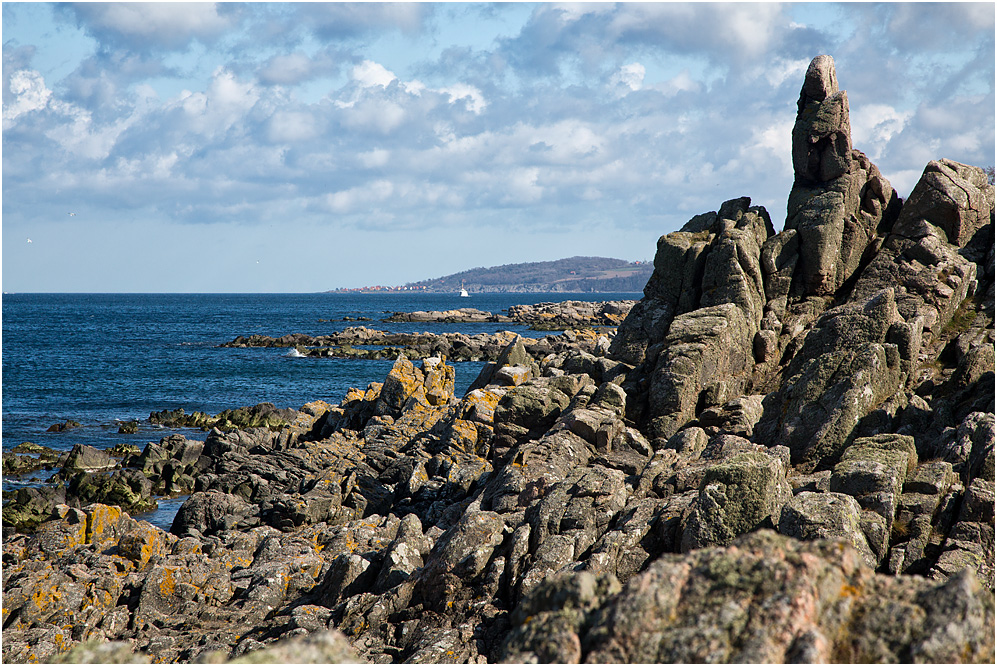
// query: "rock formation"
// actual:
[[786, 454]]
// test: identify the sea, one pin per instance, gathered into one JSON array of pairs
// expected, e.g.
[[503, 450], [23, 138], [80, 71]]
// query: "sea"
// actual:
[[105, 359]]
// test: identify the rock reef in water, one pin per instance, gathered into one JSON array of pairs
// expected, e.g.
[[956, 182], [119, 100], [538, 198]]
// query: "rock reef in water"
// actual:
[[785, 454], [539, 316], [371, 344]]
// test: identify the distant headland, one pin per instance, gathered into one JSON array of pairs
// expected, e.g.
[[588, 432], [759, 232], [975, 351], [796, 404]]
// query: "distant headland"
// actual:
[[573, 275]]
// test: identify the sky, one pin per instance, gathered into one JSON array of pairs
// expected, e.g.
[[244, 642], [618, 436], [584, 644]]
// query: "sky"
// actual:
[[283, 147]]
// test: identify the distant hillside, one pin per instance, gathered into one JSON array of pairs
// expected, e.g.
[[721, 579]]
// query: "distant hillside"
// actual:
[[577, 274]]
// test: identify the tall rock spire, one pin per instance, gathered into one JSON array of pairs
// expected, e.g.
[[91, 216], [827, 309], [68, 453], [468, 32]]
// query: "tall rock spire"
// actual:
[[822, 136], [839, 202]]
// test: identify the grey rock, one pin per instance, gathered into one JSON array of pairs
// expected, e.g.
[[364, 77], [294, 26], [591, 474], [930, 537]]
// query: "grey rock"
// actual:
[[459, 556], [842, 372], [874, 470], [770, 598], [546, 625], [811, 515], [83, 458], [954, 197], [707, 352], [206, 513], [742, 494]]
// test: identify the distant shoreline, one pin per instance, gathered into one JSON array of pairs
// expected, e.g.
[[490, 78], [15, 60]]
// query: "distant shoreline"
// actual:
[[373, 290]]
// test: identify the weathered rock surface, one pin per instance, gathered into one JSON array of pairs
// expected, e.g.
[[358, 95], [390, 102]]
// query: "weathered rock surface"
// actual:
[[786, 454]]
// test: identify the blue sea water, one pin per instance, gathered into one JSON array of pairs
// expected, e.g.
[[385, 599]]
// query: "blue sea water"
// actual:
[[101, 359]]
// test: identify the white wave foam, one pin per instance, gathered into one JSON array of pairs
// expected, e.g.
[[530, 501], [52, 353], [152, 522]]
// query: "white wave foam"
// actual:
[[294, 353]]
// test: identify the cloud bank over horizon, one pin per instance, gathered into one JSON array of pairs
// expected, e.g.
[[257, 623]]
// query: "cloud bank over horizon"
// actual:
[[301, 147]]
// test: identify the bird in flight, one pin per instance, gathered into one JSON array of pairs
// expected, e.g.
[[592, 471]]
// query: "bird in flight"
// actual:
[[72, 215], [29, 240]]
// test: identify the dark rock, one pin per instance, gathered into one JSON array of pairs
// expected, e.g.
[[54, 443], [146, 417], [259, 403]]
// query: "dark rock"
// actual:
[[63, 427], [128, 428], [84, 458], [206, 513]]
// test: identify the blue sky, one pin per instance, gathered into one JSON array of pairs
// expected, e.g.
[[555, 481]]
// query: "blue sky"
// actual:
[[281, 147]]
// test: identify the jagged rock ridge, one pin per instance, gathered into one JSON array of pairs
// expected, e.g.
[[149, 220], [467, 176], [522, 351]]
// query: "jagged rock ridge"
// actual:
[[785, 454]]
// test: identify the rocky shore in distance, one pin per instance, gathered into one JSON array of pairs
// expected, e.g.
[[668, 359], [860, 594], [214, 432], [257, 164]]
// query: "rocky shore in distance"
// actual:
[[539, 316], [366, 343], [785, 454]]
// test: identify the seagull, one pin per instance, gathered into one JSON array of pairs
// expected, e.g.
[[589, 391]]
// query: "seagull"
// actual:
[[72, 215], [29, 240]]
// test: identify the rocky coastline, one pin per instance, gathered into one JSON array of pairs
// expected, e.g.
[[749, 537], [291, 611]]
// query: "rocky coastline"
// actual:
[[371, 344], [539, 316], [785, 453]]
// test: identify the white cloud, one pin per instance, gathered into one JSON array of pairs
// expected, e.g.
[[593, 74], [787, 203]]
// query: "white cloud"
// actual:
[[874, 126], [631, 76], [783, 70], [30, 94], [373, 159], [80, 136], [903, 181], [143, 25], [744, 29], [777, 139], [414, 87], [286, 69], [522, 186], [475, 100], [377, 116], [681, 82], [226, 102], [369, 73], [292, 127], [626, 116], [357, 198]]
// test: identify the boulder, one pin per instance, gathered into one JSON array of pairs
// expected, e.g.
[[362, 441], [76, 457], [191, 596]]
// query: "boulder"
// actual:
[[773, 599], [873, 470], [744, 493], [83, 458], [546, 625], [813, 515], [206, 512], [707, 355], [711, 261], [127, 488], [458, 558], [954, 197], [839, 200]]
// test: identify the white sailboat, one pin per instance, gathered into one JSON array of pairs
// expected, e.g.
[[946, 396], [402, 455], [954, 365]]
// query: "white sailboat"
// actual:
[[463, 292]]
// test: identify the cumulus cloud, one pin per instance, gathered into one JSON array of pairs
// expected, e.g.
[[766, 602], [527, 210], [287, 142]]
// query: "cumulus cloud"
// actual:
[[292, 127], [874, 125], [630, 75], [469, 94], [148, 26], [627, 115], [733, 34], [27, 93], [286, 69], [369, 73]]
